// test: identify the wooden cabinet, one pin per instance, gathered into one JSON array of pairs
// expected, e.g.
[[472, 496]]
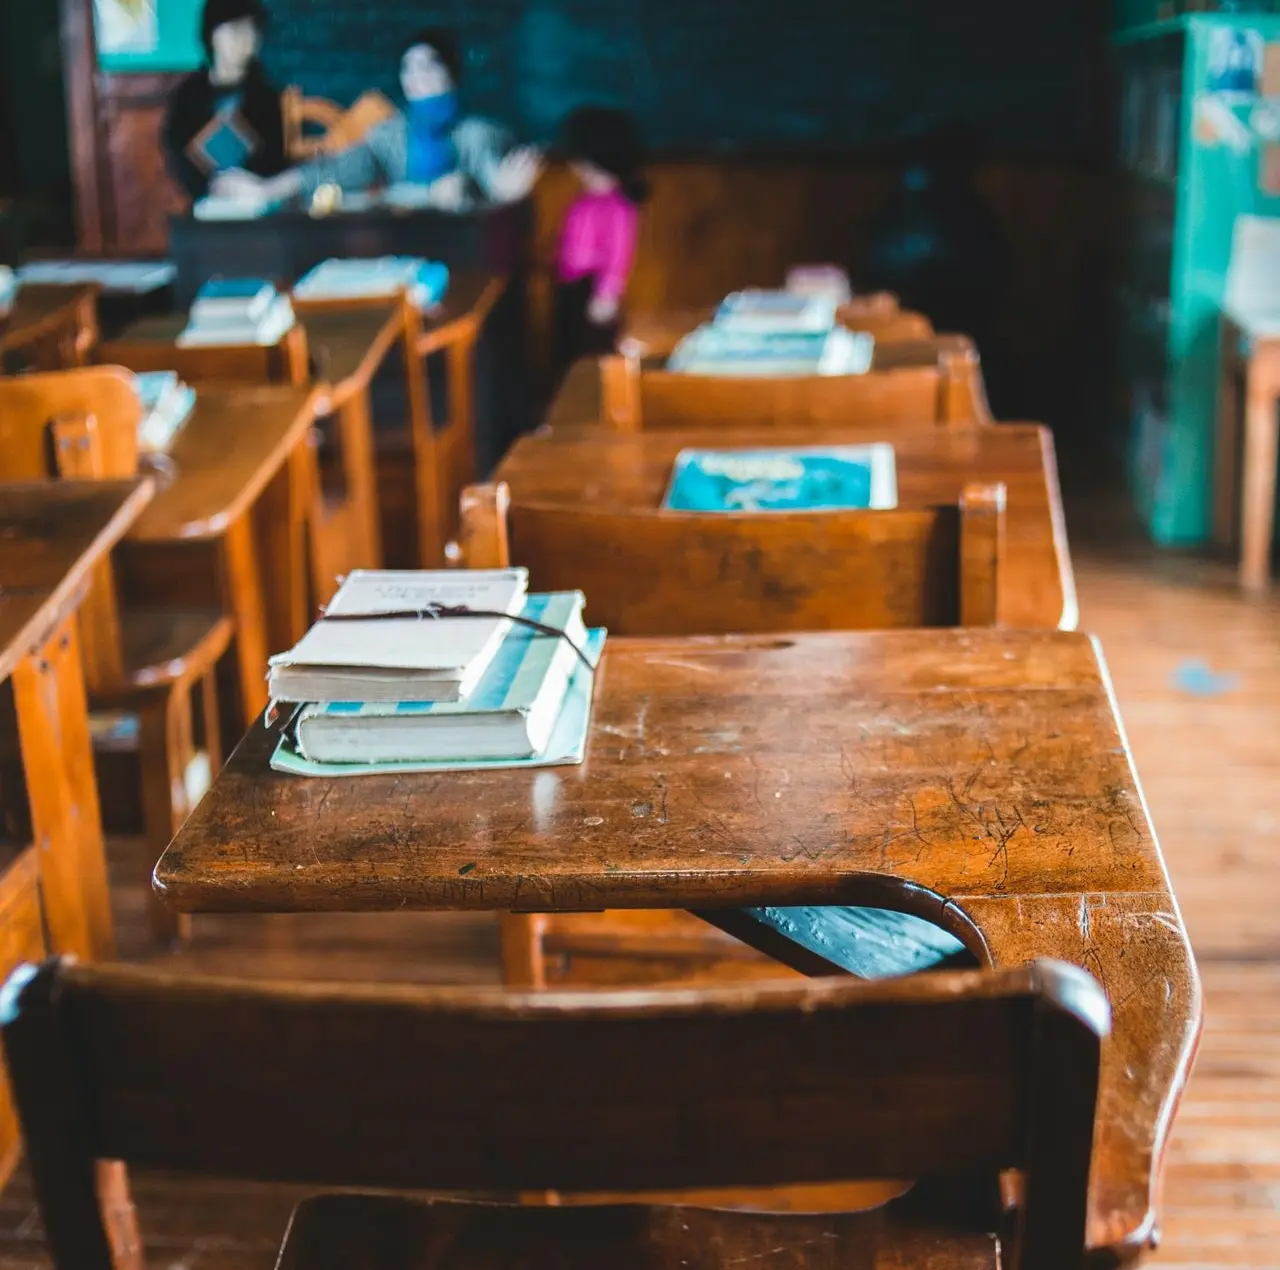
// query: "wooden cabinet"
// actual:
[[124, 197]]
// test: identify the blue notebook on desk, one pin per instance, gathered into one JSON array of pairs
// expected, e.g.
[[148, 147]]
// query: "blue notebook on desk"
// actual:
[[809, 478]]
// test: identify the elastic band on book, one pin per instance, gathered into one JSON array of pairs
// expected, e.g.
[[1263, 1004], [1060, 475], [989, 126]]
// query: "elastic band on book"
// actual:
[[437, 611]]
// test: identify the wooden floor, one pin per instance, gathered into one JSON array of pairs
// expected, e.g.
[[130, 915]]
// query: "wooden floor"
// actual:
[[1197, 674]]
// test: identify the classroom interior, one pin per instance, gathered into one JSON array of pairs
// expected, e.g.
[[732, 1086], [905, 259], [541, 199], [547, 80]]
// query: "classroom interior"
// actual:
[[919, 758]]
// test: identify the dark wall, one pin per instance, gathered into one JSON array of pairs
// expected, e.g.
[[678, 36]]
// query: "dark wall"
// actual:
[[729, 75]]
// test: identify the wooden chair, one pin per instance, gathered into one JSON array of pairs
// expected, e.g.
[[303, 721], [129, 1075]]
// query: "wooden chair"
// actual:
[[637, 394], [657, 334], [630, 1093], [146, 663], [654, 572], [667, 573], [51, 327], [150, 346], [315, 125], [963, 389]]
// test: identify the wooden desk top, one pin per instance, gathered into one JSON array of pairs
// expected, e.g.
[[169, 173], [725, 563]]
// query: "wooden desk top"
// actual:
[[350, 344], [976, 778], [467, 304], [39, 309], [236, 440], [594, 466], [52, 533]]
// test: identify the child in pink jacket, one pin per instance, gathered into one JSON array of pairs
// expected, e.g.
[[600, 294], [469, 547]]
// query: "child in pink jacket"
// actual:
[[598, 239]]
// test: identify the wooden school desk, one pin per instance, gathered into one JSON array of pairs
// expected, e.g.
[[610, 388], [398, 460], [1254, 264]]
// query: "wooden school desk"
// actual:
[[347, 345], [50, 327], [976, 778], [592, 466], [440, 456], [237, 487], [52, 536], [53, 887]]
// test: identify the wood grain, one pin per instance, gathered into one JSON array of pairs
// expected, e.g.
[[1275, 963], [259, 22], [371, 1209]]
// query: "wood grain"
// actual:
[[678, 573], [235, 441], [52, 534], [807, 1081]]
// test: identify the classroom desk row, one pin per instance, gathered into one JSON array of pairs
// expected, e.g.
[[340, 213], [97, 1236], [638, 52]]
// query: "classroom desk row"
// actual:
[[976, 778], [53, 883]]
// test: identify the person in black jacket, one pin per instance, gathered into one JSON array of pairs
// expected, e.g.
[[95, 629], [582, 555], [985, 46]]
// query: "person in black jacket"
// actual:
[[226, 115]]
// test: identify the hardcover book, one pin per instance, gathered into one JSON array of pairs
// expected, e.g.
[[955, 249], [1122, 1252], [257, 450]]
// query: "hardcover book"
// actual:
[[816, 478]]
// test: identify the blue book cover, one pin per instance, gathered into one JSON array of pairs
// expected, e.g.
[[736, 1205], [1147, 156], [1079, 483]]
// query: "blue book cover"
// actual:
[[233, 289], [810, 478]]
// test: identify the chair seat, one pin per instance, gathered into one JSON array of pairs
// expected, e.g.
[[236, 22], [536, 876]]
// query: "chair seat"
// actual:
[[375, 1232], [162, 648]]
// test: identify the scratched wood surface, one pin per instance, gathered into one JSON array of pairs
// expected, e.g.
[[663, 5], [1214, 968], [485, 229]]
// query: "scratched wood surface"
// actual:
[[975, 778], [594, 468]]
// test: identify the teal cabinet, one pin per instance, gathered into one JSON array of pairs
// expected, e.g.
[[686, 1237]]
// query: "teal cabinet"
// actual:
[[1198, 144]]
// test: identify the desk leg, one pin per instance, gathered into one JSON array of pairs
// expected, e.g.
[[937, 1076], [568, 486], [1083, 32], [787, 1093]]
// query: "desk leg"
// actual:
[[1257, 523], [242, 598], [53, 732], [280, 525], [1226, 471]]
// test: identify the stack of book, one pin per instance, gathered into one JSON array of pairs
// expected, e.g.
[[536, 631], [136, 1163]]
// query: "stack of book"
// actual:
[[437, 671], [771, 334], [425, 281], [237, 311], [167, 404]]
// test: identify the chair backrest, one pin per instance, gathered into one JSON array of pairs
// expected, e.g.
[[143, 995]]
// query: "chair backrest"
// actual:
[[886, 325], [315, 125], [636, 395], [963, 389], [35, 409], [657, 572], [51, 327], [396, 1088], [83, 425]]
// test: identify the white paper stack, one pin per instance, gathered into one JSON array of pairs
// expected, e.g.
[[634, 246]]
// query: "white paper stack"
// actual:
[[425, 281], [237, 311]]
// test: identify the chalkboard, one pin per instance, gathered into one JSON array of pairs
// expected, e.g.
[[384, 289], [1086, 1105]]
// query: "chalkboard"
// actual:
[[725, 76]]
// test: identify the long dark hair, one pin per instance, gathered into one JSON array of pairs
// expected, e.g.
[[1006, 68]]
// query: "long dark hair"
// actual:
[[445, 44], [217, 13], [608, 139]]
